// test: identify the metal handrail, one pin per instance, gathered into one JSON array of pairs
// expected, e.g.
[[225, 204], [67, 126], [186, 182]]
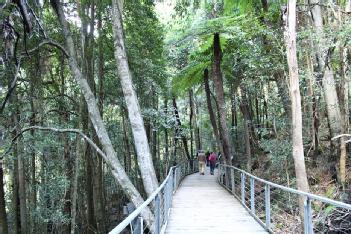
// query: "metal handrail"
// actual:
[[229, 182], [163, 194]]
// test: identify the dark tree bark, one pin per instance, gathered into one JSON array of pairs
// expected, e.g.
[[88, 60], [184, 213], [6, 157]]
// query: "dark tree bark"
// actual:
[[191, 115], [64, 117], [3, 216], [218, 83], [179, 130], [210, 110]]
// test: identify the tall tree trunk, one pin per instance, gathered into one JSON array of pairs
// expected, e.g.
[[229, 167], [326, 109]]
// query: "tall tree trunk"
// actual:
[[166, 157], [64, 117], [75, 185], [110, 154], [210, 111], [20, 170], [140, 140], [15, 195], [3, 216], [218, 83], [178, 127], [298, 153], [245, 110], [329, 87], [191, 122], [99, 201], [197, 128]]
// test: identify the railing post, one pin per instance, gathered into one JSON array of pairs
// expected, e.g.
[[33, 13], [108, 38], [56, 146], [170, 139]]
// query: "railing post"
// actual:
[[242, 188], [175, 179], [157, 214], [233, 180], [252, 194], [267, 202], [227, 176], [141, 225], [308, 216]]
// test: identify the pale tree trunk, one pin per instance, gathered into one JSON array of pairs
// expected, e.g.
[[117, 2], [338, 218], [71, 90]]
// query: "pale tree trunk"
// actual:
[[95, 117], [210, 110], [329, 88], [218, 83], [298, 153], [147, 170], [344, 107]]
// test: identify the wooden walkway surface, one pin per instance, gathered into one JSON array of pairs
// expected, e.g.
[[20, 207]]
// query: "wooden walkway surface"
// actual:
[[201, 205]]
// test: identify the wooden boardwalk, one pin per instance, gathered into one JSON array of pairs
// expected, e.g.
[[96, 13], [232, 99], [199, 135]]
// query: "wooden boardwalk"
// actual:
[[201, 205]]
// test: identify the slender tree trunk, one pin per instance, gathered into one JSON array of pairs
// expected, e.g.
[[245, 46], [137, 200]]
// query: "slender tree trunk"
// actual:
[[298, 153], [140, 140], [99, 201], [218, 83], [3, 216], [166, 157], [110, 154], [283, 93], [197, 128], [75, 185], [179, 125], [191, 122], [15, 196], [64, 117], [210, 111]]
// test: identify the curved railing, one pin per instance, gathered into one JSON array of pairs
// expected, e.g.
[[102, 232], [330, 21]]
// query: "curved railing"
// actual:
[[275, 207], [161, 200]]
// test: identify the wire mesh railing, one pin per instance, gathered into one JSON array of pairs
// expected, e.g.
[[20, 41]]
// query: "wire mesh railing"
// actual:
[[276, 207], [159, 202]]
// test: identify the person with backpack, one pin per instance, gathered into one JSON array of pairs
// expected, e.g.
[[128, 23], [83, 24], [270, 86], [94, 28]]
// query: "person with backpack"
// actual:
[[213, 160], [202, 161]]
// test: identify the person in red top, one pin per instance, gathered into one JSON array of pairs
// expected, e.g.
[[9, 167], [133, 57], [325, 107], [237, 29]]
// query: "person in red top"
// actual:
[[213, 160]]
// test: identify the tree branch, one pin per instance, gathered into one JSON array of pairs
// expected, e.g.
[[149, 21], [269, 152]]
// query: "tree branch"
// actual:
[[341, 135], [76, 131], [48, 42]]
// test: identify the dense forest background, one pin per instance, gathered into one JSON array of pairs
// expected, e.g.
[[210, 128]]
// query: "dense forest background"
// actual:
[[99, 99]]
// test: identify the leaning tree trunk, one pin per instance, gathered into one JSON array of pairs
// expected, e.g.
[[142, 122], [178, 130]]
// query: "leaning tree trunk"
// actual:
[[210, 111], [140, 139], [298, 153], [95, 117], [218, 83]]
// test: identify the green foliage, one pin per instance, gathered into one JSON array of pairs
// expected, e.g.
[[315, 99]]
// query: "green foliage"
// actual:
[[189, 76]]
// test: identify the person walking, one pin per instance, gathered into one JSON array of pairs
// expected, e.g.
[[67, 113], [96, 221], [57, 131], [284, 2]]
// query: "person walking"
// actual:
[[201, 157], [213, 160]]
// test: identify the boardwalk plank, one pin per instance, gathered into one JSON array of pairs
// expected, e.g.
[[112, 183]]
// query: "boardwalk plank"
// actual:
[[201, 205]]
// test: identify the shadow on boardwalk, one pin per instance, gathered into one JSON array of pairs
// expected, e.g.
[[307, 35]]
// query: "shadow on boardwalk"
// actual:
[[201, 205]]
